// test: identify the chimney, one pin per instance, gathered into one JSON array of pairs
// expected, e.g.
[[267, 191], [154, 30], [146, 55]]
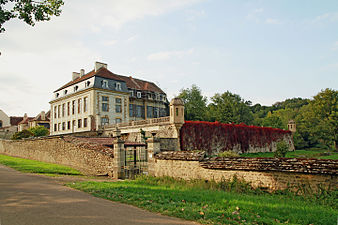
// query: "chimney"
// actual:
[[82, 72], [75, 75], [43, 115], [25, 116], [98, 65]]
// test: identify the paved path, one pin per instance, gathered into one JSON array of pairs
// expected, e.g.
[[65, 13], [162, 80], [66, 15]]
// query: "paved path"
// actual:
[[27, 199]]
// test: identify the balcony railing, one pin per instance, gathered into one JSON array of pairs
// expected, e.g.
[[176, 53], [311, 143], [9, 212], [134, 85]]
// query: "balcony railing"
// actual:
[[154, 121]]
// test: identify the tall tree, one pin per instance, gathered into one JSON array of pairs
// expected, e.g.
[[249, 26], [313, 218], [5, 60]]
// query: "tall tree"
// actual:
[[230, 108], [195, 104], [30, 11]]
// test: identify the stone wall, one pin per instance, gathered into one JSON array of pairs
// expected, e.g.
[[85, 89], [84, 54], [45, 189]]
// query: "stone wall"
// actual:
[[283, 172], [89, 158]]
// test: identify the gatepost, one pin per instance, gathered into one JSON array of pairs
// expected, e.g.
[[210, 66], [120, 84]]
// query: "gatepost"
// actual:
[[119, 156], [153, 148]]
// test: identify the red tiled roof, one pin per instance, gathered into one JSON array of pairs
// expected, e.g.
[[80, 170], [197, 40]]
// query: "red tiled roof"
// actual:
[[130, 81], [15, 120], [26, 120]]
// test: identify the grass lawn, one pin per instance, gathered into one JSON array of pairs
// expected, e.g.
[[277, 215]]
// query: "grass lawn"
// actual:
[[311, 153], [193, 202], [32, 166]]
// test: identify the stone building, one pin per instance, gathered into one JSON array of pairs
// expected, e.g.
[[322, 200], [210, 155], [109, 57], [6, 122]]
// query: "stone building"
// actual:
[[8, 125], [91, 101]]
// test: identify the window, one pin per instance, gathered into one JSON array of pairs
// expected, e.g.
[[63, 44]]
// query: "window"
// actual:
[[65, 92], [85, 122], [156, 112], [131, 93], [139, 111], [176, 111], [73, 107], [79, 123], [105, 107], [150, 112], [68, 125], [87, 84], [104, 84], [59, 126], [104, 121], [79, 105], [131, 110], [118, 106], [57, 95], [76, 88], [0, 123], [163, 112], [85, 102], [63, 109], [55, 127], [55, 112], [105, 104], [68, 108], [118, 86], [59, 115], [63, 126], [118, 120], [139, 94]]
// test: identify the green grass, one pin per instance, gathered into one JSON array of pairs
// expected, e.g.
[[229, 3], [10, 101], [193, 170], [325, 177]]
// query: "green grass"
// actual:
[[192, 201], [312, 153], [32, 166]]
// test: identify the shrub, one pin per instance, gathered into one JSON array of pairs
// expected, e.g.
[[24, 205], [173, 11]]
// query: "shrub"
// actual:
[[39, 131], [228, 154], [22, 134], [282, 149]]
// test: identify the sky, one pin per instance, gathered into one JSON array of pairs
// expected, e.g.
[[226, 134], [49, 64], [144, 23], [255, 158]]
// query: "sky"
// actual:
[[265, 51]]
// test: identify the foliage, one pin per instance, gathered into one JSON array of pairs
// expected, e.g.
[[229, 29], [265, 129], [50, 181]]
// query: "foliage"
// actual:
[[228, 154], [195, 105], [282, 149], [33, 166], [39, 131], [230, 108], [22, 134], [272, 120], [209, 202], [28, 10], [205, 135]]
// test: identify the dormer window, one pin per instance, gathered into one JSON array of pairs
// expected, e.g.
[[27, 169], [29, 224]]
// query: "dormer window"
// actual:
[[87, 83], [104, 84], [139, 94], [65, 92], [76, 88], [131, 93], [118, 86], [57, 95]]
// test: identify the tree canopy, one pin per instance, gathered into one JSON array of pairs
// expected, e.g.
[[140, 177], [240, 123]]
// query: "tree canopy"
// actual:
[[28, 10]]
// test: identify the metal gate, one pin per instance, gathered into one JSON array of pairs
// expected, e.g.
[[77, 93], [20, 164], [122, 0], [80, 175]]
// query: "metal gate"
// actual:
[[135, 160]]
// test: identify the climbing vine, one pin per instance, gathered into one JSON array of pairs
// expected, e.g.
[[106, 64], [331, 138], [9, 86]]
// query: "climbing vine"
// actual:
[[209, 136]]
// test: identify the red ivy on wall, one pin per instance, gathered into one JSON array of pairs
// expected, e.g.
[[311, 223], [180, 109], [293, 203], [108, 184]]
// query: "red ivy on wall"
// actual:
[[208, 136]]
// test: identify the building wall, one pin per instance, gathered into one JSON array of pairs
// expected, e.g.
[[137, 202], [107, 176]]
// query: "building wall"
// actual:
[[88, 158], [4, 119], [59, 116]]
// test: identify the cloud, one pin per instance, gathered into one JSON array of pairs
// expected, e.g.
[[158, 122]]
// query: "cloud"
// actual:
[[254, 14], [326, 17], [192, 15], [335, 46], [165, 55], [109, 42], [272, 21], [132, 38]]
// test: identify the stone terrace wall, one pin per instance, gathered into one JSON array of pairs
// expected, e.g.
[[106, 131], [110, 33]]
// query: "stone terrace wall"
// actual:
[[79, 153], [283, 172]]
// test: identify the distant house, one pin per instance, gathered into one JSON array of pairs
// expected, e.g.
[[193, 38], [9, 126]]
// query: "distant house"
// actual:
[[90, 101], [8, 124], [42, 119], [24, 123]]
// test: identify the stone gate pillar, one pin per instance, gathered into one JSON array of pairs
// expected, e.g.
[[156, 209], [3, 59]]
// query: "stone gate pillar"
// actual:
[[119, 156], [153, 148]]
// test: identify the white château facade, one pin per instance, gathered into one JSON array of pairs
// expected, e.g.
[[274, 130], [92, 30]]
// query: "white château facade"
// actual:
[[100, 97]]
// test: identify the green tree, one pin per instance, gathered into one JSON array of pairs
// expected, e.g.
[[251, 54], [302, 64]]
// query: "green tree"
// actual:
[[230, 108], [195, 104], [22, 134], [39, 131], [272, 120], [30, 11]]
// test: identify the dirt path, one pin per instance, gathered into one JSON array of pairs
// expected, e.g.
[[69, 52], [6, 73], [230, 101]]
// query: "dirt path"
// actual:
[[27, 199]]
